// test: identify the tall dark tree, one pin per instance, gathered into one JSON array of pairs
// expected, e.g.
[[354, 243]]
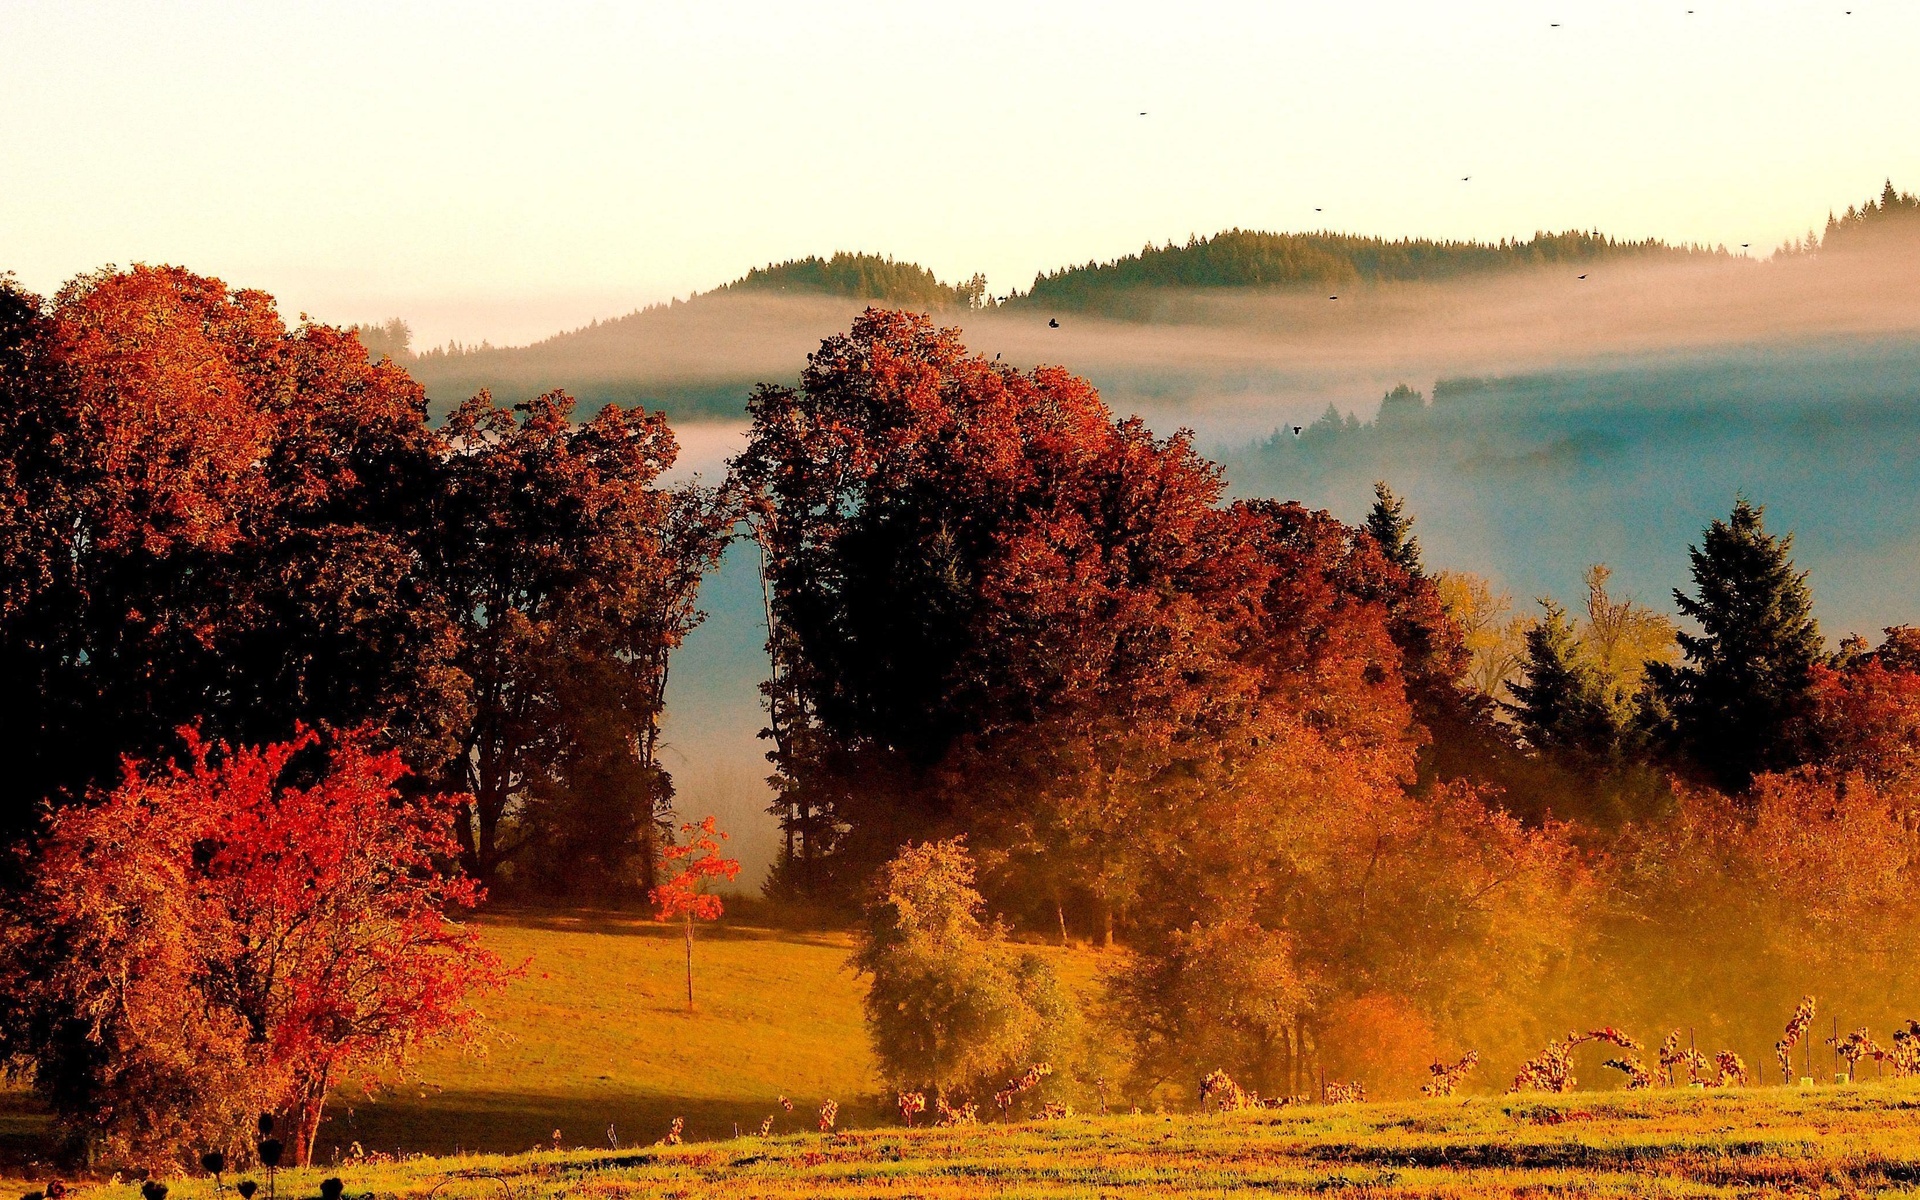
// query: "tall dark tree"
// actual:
[[572, 574], [1740, 699], [1564, 703], [1390, 525]]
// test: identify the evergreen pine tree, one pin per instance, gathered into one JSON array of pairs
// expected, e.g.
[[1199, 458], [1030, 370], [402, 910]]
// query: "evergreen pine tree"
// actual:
[[1565, 702], [1393, 529], [1738, 699]]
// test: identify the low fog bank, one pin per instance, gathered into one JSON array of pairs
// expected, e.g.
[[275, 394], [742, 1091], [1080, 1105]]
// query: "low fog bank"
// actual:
[[1530, 478], [1234, 365], [697, 360], [1238, 363], [1575, 421]]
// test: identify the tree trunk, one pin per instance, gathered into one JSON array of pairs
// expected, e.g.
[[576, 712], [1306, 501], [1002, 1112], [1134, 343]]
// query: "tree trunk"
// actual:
[[1286, 1059], [306, 1121], [1300, 1076], [1060, 911], [1106, 921], [689, 964]]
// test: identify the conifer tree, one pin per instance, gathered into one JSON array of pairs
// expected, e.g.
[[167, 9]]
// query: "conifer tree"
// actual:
[[1565, 702], [1738, 699], [1390, 525]]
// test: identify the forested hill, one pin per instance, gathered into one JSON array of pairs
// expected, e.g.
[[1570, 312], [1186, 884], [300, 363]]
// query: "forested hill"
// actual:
[[862, 277], [1242, 258], [697, 357]]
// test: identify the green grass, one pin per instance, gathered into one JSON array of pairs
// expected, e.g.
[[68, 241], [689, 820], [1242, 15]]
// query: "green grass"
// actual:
[[1672, 1143]]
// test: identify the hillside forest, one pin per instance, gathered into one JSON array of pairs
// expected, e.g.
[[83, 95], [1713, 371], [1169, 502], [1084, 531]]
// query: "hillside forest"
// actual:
[[300, 673]]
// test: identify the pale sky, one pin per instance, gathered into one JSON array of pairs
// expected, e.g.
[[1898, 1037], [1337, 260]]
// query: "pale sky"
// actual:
[[503, 171]]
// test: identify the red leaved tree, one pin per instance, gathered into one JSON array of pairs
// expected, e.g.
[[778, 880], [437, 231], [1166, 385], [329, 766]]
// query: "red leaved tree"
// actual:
[[683, 896], [234, 933]]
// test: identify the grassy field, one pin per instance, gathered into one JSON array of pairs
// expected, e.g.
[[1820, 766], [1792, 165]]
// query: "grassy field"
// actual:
[[595, 1034], [1831, 1141]]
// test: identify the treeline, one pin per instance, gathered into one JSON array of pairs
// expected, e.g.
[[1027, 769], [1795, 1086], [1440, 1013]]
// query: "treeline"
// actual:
[[862, 277], [1240, 258], [1031, 667], [1245, 740], [211, 521], [1868, 226]]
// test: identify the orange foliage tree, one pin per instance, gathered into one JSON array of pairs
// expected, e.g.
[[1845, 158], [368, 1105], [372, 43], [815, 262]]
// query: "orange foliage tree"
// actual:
[[209, 518], [1866, 711], [684, 896], [227, 528], [235, 933], [996, 607]]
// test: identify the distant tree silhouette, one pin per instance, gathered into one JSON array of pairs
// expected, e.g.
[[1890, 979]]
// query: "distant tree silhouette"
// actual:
[[1390, 526], [1740, 698]]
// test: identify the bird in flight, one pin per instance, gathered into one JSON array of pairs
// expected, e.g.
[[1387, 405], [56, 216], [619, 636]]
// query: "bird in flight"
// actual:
[[1464, 178], [1296, 431], [1583, 277], [1333, 297], [1053, 323]]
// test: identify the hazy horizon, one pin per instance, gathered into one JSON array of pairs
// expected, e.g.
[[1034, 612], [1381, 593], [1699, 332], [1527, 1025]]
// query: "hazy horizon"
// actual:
[[493, 174]]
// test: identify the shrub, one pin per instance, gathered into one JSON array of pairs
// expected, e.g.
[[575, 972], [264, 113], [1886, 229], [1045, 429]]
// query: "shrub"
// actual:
[[951, 1007]]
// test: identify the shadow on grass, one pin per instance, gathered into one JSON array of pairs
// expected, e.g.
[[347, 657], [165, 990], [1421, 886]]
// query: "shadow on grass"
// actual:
[[25, 1131], [498, 1123], [491, 1123], [625, 924]]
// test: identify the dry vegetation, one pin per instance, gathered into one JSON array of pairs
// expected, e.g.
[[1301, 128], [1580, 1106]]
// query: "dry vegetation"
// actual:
[[1683, 1142]]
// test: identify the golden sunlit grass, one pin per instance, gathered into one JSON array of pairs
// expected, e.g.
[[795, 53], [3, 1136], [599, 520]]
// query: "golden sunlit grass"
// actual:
[[1674, 1142], [596, 1032]]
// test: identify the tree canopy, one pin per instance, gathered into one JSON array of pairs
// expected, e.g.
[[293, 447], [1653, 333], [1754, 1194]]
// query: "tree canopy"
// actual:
[[1244, 258]]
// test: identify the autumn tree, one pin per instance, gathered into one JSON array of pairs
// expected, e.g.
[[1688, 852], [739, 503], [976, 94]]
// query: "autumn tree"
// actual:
[[696, 864], [227, 527], [1866, 713], [1283, 886], [1741, 695], [233, 933], [1622, 636], [955, 550], [1494, 637], [951, 1007], [572, 575]]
